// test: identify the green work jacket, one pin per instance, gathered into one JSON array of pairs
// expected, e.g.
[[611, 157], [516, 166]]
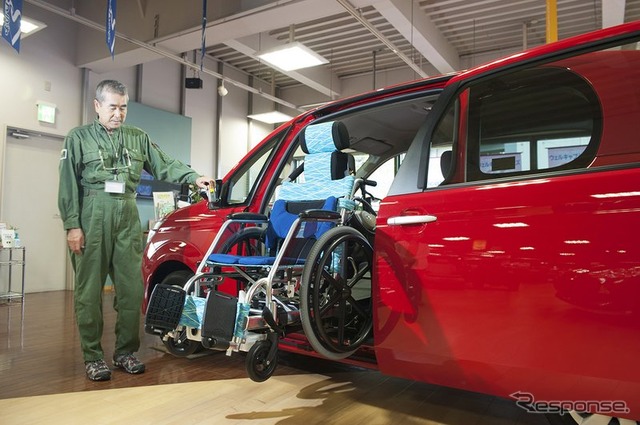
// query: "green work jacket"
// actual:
[[90, 156]]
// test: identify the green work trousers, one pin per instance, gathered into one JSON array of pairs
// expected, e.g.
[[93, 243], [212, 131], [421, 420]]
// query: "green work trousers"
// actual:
[[113, 246]]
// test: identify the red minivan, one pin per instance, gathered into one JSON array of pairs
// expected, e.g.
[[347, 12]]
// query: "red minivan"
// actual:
[[505, 256]]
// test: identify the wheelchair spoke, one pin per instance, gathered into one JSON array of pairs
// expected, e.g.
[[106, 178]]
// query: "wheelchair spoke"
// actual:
[[335, 283], [357, 307], [341, 326]]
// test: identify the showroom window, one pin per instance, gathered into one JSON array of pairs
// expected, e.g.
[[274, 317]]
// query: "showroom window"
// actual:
[[531, 121]]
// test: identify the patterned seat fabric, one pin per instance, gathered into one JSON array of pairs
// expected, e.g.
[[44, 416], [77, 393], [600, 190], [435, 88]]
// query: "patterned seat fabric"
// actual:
[[327, 171]]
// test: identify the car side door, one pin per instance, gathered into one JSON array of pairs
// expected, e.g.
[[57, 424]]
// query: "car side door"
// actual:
[[503, 252]]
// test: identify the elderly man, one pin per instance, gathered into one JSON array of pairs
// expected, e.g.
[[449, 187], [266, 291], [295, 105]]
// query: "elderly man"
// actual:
[[100, 167]]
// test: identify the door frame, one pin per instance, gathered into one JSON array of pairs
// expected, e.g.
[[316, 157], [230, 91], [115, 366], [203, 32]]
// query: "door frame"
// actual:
[[69, 278]]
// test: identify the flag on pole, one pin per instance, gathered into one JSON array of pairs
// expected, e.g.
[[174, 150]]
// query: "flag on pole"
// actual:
[[12, 19], [111, 26], [204, 26]]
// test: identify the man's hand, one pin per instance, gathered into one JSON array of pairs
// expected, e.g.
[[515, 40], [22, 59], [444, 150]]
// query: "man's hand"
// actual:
[[203, 181], [75, 240]]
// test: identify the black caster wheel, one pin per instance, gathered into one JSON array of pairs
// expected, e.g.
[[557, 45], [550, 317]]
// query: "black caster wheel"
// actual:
[[182, 346], [259, 366]]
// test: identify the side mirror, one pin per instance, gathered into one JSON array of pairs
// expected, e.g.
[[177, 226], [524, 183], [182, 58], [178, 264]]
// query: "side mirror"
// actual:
[[213, 196]]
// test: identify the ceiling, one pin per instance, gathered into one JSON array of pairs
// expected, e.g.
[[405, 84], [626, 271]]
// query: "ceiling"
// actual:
[[469, 28], [420, 37]]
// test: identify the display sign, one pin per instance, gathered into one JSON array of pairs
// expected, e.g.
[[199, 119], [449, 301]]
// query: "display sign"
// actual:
[[12, 11]]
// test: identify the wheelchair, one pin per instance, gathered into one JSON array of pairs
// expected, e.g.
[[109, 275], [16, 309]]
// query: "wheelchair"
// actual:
[[305, 267]]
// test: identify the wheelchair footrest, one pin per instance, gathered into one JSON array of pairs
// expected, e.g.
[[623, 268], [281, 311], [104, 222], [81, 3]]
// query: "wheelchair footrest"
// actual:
[[218, 320], [164, 309]]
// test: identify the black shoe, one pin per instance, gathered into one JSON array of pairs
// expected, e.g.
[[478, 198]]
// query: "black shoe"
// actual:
[[97, 370], [129, 363]]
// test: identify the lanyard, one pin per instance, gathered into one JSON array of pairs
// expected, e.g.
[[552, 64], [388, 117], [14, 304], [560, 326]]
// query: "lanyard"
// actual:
[[120, 155]]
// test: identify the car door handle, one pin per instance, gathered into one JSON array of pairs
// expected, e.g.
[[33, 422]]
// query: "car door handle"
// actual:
[[411, 219]]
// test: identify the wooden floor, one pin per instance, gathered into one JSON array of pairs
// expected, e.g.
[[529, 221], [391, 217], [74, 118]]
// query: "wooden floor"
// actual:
[[42, 380]]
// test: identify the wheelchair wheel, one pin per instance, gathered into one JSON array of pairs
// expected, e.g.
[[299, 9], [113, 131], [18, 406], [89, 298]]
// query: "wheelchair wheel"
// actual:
[[182, 346], [335, 295], [259, 366], [246, 242]]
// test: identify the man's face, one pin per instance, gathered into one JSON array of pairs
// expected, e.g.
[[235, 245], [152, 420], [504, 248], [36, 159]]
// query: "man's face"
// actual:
[[112, 110]]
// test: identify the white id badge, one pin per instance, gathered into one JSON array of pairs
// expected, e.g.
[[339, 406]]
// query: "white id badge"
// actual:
[[112, 186]]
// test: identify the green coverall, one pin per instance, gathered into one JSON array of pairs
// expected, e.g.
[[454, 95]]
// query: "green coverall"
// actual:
[[111, 224]]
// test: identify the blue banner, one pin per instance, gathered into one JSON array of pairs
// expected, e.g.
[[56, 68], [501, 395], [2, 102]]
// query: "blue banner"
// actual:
[[204, 26], [12, 19], [111, 26]]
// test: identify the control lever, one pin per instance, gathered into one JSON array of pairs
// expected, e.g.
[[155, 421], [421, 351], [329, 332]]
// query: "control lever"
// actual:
[[210, 191]]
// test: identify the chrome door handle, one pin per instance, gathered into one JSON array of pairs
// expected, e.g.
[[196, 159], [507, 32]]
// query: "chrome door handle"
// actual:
[[411, 219]]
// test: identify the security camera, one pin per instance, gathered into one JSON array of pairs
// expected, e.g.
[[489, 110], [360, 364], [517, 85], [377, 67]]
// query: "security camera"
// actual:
[[222, 90]]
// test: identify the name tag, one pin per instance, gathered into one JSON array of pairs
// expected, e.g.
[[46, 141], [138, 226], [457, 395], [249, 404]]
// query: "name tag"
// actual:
[[112, 186]]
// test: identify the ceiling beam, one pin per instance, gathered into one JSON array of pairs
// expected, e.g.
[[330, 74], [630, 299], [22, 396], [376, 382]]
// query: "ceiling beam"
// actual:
[[613, 13], [417, 27]]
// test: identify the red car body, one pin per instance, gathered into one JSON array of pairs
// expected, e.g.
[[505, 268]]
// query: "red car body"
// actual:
[[507, 283]]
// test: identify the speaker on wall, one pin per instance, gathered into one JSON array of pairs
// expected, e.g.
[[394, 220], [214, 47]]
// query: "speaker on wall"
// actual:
[[193, 83]]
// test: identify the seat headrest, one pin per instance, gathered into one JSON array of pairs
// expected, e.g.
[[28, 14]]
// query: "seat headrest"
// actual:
[[445, 163], [324, 137]]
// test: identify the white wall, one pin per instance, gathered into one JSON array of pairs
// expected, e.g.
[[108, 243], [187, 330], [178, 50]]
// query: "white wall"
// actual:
[[201, 106], [162, 85], [45, 57], [42, 70], [234, 131], [48, 59]]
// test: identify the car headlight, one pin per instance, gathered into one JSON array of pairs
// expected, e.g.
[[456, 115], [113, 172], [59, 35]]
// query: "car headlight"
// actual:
[[154, 229]]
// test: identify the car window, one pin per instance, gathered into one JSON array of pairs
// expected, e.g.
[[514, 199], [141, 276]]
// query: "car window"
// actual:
[[441, 149], [383, 175], [242, 183], [545, 118], [530, 121]]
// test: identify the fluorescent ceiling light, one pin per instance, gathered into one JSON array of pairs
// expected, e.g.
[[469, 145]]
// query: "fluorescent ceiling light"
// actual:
[[291, 56], [272, 117], [27, 25]]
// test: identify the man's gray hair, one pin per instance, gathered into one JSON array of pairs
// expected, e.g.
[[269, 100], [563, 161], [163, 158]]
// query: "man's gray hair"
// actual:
[[111, 86]]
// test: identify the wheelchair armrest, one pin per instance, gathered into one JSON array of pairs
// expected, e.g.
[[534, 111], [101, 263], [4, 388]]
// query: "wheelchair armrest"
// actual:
[[247, 216], [317, 214]]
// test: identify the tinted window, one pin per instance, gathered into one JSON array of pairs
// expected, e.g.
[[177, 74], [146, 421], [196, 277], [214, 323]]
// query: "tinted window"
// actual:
[[544, 118]]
